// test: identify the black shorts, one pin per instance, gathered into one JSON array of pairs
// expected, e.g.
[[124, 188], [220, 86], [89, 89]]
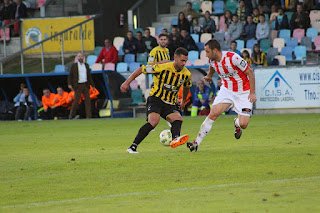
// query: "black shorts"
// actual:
[[156, 105]]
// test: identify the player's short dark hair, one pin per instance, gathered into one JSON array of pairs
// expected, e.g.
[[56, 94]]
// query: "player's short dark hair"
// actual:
[[213, 44], [163, 34], [146, 29], [181, 51]]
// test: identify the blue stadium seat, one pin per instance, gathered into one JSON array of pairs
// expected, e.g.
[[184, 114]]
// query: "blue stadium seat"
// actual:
[[285, 34], [240, 44], [195, 37], [193, 55], [200, 46], [196, 6], [312, 33], [120, 52], [133, 66], [97, 50], [300, 52], [59, 68], [251, 43], [122, 67], [218, 7], [174, 21], [136, 96], [142, 58], [91, 60], [265, 44], [129, 58], [159, 29], [292, 42], [287, 52]]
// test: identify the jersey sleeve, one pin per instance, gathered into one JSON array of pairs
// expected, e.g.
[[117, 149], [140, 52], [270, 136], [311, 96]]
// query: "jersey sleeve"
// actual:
[[187, 83], [239, 62], [152, 56], [149, 69]]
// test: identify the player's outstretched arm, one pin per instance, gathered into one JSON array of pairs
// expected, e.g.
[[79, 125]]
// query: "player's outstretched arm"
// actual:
[[125, 85], [252, 96]]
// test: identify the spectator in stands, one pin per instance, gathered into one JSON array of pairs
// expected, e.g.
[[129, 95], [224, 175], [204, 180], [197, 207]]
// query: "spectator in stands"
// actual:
[[6, 12], [259, 58], [209, 25], [235, 29], [249, 30], [108, 54], [300, 19], [160, 54], [195, 27], [183, 23], [281, 21], [174, 41], [255, 16], [79, 80], [47, 102], [262, 10], [242, 12], [25, 105], [288, 5], [309, 5], [141, 47], [60, 104], [233, 48], [201, 98], [187, 41], [130, 44], [263, 28], [246, 56], [19, 11], [149, 41], [225, 21], [164, 31], [190, 13]]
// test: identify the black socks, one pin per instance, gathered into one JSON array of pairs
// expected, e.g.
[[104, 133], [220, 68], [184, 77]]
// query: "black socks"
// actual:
[[143, 132], [176, 128]]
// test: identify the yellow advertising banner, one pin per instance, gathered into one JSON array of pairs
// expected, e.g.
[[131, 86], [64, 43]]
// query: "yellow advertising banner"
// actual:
[[35, 30]]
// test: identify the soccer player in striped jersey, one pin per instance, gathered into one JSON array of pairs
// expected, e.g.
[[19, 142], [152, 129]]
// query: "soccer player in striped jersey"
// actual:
[[168, 78], [237, 90], [160, 54]]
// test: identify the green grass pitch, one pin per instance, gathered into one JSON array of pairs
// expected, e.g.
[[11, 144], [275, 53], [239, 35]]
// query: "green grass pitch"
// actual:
[[81, 166]]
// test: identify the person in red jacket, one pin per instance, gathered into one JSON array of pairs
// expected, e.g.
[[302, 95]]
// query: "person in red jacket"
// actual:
[[108, 53]]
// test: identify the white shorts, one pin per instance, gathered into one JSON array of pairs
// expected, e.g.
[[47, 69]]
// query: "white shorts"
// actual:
[[238, 100]]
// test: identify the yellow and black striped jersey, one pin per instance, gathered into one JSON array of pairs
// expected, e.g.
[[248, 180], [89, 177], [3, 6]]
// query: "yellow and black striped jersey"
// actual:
[[167, 81], [158, 54]]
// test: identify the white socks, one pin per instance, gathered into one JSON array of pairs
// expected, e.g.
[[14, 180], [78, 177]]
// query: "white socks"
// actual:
[[204, 129], [236, 122]]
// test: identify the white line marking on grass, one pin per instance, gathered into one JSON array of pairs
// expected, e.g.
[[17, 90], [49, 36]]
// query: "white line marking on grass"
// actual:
[[157, 192]]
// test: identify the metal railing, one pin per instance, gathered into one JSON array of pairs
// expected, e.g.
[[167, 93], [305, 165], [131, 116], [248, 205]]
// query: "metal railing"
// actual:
[[2, 60], [43, 8]]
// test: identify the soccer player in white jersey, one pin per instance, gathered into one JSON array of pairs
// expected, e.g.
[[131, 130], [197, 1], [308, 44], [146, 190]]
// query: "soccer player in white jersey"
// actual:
[[237, 90]]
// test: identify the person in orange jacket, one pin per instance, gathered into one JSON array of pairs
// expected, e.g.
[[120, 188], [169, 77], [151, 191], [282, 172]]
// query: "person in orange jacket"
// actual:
[[47, 102], [60, 104], [94, 97], [188, 101]]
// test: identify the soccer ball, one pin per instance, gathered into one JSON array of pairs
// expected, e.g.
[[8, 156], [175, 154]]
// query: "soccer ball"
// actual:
[[165, 137]]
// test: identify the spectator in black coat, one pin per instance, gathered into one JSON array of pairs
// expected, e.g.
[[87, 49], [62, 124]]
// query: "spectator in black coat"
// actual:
[[174, 41], [187, 41], [6, 11], [249, 30], [300, 19], [183, 23], [19, 11], [130, 44], [282, 21], [141, 47]]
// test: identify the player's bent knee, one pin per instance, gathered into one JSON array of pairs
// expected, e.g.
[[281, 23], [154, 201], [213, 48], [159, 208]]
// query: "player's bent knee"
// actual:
[[243, 125]]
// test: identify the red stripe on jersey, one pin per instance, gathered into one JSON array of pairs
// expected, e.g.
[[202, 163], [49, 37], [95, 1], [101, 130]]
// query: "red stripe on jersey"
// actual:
[[242, 75], [225, 83], [234, 81]]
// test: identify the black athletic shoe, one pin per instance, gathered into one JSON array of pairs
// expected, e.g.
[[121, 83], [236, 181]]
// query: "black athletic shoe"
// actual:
[[193, 146], [237, 131]]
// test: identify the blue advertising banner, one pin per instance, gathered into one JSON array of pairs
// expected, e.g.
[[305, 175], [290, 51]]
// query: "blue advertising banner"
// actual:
[[288, 87]]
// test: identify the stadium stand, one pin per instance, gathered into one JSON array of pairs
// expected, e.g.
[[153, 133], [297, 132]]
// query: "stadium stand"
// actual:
[[281, 59], [271, 53], [278, 43], [193, 55], [287, 52], [205, 37], [218, 7], [298, 33], [174, 21], [240, 44], [312, 33], [200, 46], [306, 41], [97, 50], [265, 44], [96, 67], [118, 42], [301, 53], [133, 66], [200, 62], [206, 6], [110, 66], [59, 68], [315, 19], [122, 67], [142, 58], [7, 34], [293, 42], [251, 43], [203, 55], [129, 58], [285, 34], [91, 59], [232, 5], [317, 42], [195, 37]]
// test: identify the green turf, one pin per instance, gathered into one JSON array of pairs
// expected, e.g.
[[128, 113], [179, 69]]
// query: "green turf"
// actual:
[[81, 166]]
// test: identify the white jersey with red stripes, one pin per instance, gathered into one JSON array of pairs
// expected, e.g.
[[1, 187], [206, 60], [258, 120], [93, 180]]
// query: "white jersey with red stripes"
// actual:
[[231, 70]]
